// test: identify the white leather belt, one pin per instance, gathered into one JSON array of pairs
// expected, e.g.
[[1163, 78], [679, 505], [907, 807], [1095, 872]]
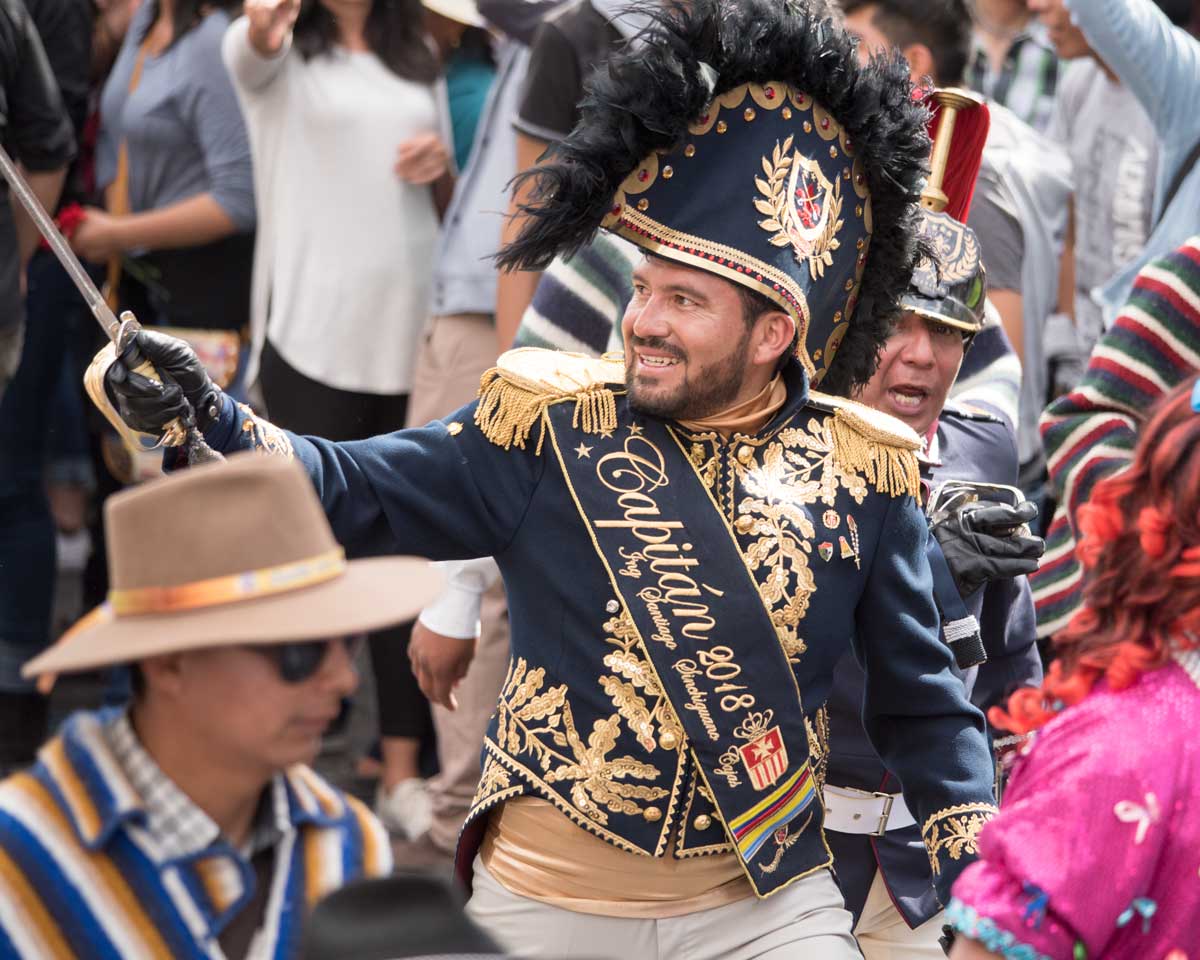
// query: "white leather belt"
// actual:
[[857, 811]]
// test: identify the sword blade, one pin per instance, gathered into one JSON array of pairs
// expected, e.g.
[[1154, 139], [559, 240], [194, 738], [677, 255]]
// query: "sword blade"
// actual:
[[58, 243]]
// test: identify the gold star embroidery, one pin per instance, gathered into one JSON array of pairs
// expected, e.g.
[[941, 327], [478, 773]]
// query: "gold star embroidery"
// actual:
[[606, 435], [581, 451], [635, 430], [454, 428]]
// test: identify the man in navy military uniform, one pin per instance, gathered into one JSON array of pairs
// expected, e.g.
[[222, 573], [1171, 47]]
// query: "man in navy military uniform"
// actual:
[[648, 783], [881, 863]]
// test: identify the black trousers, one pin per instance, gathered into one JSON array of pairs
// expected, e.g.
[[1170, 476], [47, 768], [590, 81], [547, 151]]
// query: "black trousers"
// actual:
[[302, 405]]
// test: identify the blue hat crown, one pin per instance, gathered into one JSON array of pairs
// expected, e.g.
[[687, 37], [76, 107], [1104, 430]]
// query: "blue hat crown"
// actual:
[[765, 190]]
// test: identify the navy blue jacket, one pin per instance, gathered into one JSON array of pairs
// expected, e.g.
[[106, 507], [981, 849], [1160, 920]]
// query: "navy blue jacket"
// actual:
[[971, 444], [569, 728]]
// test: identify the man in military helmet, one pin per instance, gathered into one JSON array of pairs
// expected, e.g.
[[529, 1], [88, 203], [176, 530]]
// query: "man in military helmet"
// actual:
[[969, 467], [648, 784]]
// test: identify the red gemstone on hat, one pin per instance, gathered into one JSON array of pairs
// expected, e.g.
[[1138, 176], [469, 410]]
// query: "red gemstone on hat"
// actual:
[[770, 92], [643, 175], [824, 123], [616, 208]]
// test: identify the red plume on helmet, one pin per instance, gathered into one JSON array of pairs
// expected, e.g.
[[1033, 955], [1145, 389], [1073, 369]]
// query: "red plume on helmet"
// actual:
[[949, 284], [958, 125]]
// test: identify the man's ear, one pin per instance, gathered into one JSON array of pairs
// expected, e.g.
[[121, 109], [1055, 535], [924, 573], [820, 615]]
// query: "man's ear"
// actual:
[[922, 66], [163, 672], [775, 332]]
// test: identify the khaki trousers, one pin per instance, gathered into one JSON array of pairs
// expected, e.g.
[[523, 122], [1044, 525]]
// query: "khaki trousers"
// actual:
[[806, 920], [884, 934], [455, 353]]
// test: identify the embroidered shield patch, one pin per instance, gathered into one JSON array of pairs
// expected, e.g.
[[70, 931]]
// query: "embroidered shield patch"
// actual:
[[765, 758], [802, 206], [826, 551]]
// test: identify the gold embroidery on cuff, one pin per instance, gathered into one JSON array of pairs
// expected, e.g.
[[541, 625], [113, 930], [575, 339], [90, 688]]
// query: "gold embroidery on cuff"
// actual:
[[955, 831], [265, 436]]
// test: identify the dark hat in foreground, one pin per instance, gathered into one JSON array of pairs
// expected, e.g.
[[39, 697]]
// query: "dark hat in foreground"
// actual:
[[746, 139], [231, 553], [406, 915]]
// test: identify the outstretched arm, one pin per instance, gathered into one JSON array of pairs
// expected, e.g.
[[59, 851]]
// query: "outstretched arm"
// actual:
[[442, 491]]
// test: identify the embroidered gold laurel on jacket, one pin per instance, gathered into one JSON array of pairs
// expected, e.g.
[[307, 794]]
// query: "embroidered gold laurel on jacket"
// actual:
[[799, 467], [536, 724], [954, 832]]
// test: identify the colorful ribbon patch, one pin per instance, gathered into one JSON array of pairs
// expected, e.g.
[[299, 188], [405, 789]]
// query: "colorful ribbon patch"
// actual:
[[214, 592], [752, 828]]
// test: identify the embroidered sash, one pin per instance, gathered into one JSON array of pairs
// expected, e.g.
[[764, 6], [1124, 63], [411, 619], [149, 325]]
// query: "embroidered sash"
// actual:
[[681, 579]]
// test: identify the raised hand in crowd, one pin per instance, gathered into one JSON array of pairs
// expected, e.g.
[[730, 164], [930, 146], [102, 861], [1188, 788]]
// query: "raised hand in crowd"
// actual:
[[422, 159], [271, 22]]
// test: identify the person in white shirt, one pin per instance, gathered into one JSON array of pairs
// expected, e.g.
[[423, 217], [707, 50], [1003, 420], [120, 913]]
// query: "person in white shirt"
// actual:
[[347, 120]]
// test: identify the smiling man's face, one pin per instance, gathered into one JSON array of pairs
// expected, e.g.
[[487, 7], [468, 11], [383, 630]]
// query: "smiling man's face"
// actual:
[[687, 343], [916, 370]]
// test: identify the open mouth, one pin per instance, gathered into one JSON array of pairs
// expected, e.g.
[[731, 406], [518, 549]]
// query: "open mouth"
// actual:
[[907, 397]]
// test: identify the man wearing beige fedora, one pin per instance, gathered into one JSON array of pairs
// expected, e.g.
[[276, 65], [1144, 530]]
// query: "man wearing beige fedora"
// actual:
[[188, 825]]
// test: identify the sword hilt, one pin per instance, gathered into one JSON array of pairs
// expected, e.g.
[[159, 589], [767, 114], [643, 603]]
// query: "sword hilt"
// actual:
[[179, 432]]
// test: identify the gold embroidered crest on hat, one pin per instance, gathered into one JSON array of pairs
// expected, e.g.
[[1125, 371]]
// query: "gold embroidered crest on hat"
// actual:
[[802, 206]]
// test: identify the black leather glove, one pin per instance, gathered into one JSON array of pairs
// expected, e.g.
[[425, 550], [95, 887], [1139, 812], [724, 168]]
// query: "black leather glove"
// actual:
[[149, 407], [982, 543]]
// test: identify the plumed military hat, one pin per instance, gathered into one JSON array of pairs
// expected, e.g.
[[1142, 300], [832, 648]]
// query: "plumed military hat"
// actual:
[[744, 138], [949, 284]]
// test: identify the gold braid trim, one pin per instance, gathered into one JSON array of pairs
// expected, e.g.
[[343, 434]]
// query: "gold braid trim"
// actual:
[[510, 405], [872, 444], [859, 449]]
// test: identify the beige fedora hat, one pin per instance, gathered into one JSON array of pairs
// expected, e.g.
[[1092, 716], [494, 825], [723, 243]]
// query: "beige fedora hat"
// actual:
[[231, 553], [460, 11]]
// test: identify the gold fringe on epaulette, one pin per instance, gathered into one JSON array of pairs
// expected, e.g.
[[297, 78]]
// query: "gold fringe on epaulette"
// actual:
[[858, 448], [509, 408], [595, 410]]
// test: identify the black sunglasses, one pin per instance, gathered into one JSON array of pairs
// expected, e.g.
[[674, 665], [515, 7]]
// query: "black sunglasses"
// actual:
[[300, 661]]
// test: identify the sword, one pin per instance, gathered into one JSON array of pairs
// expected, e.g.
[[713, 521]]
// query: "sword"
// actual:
[[181, 432]]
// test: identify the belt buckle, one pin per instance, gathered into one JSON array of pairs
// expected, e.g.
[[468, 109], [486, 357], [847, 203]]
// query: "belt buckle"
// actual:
[[888, 799]]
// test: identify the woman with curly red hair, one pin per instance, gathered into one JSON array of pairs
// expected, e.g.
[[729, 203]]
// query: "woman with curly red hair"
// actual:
[[1096, 851]]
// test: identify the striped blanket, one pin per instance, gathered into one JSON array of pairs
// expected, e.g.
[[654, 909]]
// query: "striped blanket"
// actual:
[[1090, 433]]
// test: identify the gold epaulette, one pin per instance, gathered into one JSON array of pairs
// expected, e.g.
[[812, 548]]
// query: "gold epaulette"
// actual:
[[874, 444], [516, 393]]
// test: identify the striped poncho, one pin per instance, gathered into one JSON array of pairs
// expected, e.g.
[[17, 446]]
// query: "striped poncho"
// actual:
[[1090, 433], [82, 877]]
